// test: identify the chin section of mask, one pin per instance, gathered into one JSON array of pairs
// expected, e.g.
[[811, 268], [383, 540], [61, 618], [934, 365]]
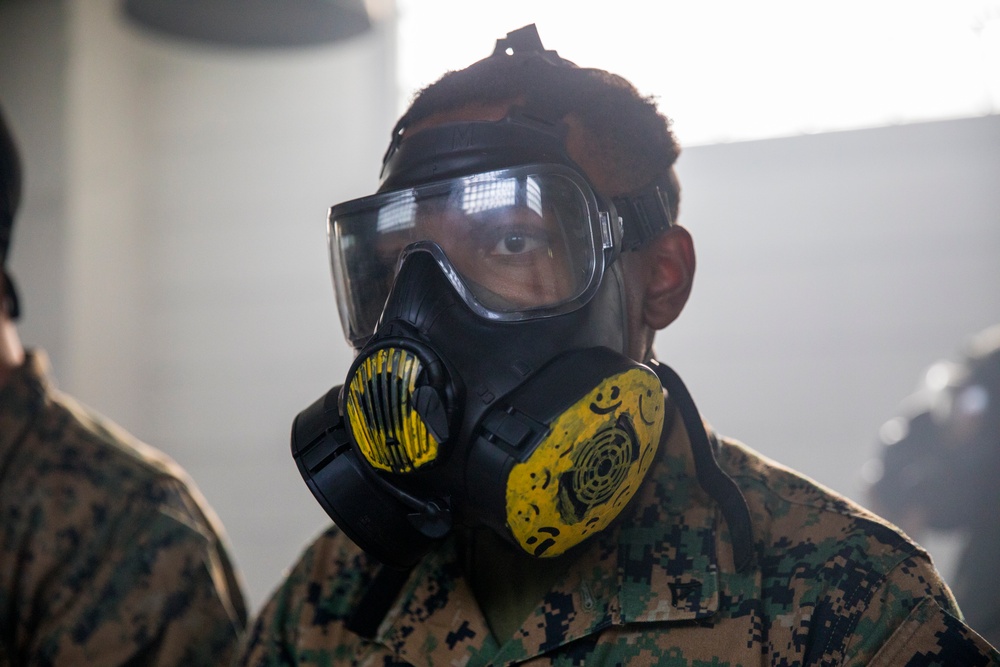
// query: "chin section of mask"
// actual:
[[564, 454], [387, 523], [548, 465]]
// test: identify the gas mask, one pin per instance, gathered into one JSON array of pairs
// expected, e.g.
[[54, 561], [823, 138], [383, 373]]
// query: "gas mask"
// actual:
[[482, 289], [491, 387]]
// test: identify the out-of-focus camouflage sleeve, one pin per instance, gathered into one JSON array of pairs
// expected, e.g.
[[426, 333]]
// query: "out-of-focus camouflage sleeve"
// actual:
[[108, 553], [152, 589]]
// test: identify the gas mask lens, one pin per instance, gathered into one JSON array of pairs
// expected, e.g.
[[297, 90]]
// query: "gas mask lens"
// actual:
[[515, 243]]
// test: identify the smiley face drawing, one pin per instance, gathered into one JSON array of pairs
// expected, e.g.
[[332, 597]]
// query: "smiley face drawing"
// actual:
[[606, 403], [651, 405], [584, 472]]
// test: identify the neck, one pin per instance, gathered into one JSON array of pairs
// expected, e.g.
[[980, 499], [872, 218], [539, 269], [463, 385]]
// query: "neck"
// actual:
[[11, 350], [508, 584]]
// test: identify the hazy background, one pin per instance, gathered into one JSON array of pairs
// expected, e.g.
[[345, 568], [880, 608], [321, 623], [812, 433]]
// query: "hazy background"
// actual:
[[841, 179]]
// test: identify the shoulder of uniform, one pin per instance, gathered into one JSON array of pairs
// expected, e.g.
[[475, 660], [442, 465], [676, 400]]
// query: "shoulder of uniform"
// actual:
[[319, 594], [789, 509], [102, 447], [753, 470], [73, 449], [65, 428]]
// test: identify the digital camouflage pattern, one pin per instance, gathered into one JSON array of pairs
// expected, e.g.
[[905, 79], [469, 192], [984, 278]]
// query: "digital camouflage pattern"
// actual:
[[108, 554], [833, 585]]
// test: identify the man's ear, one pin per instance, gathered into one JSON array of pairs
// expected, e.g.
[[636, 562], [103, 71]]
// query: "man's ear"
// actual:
[[669, 276]]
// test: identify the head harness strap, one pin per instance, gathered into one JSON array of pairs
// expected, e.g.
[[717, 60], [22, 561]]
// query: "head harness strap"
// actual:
[[645, 213], [525, 41]]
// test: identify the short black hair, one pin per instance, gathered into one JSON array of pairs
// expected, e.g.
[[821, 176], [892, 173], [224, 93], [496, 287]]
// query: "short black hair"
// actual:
[[626, 126]]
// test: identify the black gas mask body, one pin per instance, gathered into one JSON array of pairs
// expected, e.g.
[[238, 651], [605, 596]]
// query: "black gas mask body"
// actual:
[[493, 387], [483, 292]]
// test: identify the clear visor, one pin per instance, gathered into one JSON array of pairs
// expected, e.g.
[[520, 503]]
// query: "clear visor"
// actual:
[[515, 243]]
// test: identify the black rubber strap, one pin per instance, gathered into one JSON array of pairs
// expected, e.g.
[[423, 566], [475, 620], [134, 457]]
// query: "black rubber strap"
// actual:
[[711, 476], [645, 215]]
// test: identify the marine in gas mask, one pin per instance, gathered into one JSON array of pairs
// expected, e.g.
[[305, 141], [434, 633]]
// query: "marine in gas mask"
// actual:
[[500, 290], [519, 479]]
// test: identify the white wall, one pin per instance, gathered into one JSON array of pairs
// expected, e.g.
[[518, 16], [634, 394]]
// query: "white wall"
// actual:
[[172, 258]]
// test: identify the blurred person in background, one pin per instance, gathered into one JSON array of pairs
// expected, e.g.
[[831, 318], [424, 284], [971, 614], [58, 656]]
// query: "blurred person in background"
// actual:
[[938, 469], [109, 555]]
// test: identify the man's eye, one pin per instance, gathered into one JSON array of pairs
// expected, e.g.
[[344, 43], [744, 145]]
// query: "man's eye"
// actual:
[[516, 243]]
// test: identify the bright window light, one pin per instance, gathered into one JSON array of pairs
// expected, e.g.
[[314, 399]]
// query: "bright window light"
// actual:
[[728, 70]]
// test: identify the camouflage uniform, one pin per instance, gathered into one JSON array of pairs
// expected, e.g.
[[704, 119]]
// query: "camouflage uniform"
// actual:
[[108, 556], [833, 584]]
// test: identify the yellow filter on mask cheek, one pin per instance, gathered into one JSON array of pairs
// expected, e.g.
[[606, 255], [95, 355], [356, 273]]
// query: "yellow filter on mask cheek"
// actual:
[[585, 471], [389, 433]]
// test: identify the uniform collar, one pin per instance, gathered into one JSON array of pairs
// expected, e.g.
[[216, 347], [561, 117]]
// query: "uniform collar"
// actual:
[[659, 564]]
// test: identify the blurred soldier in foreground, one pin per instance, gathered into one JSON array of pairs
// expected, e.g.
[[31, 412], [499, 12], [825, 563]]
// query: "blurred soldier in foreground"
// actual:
[[108, 553], [513, 477], [938, 469]]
